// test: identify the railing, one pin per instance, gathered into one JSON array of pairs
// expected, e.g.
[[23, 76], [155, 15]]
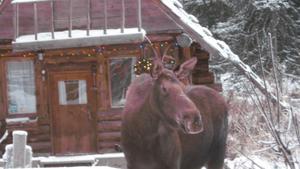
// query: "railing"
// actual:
[[18, 3]]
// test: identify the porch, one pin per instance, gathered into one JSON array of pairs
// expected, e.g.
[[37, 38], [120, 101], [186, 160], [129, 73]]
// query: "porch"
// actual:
[[75, 23]]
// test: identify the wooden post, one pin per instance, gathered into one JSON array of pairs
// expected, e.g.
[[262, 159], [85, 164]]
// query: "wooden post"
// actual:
[[70, 17], [19, 143], [88, 18], [139, 10], [35, 21], [105, 17], [16, 21], [123, 17], [52, 19], [8, 156]]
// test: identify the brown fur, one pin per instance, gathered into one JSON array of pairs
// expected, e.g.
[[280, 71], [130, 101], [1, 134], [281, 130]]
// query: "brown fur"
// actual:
[[151, 142]]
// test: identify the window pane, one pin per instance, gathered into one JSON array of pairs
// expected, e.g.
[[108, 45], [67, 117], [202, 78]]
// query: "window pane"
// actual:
[[121, 75], [72, 92], [21, 87]]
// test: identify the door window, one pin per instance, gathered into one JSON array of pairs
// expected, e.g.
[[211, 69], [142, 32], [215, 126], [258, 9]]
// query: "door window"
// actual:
[[21, 87], [72, 92]]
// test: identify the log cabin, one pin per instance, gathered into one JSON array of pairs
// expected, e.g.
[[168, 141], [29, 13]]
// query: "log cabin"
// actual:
[[65, 66]]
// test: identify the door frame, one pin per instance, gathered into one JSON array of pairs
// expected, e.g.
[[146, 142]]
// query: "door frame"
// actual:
[[72, 68]]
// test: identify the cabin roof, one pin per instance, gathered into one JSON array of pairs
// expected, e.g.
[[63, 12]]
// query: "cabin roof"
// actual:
[[154, 19]]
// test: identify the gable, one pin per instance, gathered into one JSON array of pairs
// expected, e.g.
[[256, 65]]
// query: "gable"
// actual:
[[153, 19]]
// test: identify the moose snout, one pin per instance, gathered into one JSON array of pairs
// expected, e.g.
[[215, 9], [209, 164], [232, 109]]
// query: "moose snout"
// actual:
[[192, 124]]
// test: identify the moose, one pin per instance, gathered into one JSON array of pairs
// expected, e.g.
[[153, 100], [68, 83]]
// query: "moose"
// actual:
[[167, 124]]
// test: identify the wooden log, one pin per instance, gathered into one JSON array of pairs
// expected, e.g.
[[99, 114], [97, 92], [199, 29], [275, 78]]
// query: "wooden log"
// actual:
[[201, 67], [109, 136], [201, 54], [109, 116], [107, 145], [109, 126], [203, 78], [31, 130], [41, 146], [39, 138]]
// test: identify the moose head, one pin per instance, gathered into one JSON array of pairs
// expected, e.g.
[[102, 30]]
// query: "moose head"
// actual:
[[173, 105]]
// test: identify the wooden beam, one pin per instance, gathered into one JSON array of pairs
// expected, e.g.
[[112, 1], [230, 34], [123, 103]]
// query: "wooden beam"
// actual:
[[123, 16], [70, 17], [35, 21], [88, 18], [139, 10], [52, 19], [105, 17]]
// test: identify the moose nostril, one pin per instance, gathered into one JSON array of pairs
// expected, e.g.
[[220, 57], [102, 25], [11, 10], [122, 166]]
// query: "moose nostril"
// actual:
[[197, 121]]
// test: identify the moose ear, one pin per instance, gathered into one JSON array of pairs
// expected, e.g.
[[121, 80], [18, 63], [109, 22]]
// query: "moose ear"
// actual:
[[157, 68], [186, 68]]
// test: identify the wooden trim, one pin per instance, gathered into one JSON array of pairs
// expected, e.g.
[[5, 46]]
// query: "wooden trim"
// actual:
[[2, 91], [186, 53], [109, 78]]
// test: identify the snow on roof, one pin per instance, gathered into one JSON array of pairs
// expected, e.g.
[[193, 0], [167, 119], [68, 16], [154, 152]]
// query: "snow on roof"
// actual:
[[79, 39], [214, 46], [26, 1]]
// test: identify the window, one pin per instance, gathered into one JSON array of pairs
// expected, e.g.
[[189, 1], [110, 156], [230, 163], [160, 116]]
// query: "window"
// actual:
[[21, 87], [121, 75], [72, 92]]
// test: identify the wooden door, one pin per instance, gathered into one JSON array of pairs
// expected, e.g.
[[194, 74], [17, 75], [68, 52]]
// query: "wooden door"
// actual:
[[72, 102]]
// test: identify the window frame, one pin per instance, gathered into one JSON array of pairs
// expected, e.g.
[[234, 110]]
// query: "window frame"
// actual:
[[5, 79], [109, 78]]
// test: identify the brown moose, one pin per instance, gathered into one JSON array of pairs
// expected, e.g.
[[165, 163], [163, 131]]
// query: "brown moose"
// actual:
[[168, 125]]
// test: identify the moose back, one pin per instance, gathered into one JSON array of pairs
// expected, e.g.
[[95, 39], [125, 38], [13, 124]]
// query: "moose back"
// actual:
[[168, 125]]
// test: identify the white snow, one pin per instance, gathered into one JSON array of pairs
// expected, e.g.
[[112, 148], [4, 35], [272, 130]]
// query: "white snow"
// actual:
[[19, 120], [214, 46], [79, 38], [20, 132], [46, 36], [26, 1], [59, 159], [93, 159], [4, 137]]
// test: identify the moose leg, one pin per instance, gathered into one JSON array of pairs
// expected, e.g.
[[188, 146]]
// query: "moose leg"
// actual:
[[170, 150], [216, 160], [217, 154]]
